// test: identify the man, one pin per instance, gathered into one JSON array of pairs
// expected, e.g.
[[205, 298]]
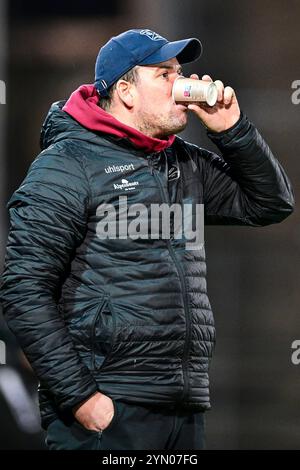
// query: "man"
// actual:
[[119, 329]]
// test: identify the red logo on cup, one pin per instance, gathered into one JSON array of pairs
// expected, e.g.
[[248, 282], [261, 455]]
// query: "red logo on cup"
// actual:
[[187, 91]]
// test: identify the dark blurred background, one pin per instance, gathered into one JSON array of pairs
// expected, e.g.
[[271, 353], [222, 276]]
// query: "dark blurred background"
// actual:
[[47, 49]]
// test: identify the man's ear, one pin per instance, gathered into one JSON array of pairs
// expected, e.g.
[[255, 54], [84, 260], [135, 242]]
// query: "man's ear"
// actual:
[[125, 92]]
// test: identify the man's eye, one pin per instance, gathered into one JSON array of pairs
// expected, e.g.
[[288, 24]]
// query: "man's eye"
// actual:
[[165, 75]]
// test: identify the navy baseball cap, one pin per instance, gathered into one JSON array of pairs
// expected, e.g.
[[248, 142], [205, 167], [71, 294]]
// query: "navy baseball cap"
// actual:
[[139, 47]]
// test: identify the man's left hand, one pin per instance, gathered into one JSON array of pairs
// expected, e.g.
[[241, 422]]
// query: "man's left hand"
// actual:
[[224, 114]]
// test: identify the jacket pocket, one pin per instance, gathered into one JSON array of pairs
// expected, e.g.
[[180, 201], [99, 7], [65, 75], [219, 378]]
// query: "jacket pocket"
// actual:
[[114, 418], [103, 331]]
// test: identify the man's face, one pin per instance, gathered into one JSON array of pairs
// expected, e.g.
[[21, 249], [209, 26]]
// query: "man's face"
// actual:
[[154, 111]]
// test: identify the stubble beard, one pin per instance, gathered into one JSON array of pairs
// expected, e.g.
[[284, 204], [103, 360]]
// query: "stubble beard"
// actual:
[[158, 125]]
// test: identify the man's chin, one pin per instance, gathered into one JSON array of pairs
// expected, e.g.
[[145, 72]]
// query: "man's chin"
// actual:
[[180, 129], [174, 126], [168, 132], [181, 126]]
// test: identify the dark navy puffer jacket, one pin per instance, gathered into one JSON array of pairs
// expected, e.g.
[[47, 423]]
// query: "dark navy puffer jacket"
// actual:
[[130, 318]]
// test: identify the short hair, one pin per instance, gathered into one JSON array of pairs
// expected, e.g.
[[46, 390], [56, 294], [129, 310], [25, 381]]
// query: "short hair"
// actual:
[[131, 76]]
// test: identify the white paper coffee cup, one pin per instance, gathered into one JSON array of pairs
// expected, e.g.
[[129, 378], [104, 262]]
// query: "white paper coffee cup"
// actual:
[[189, 89]]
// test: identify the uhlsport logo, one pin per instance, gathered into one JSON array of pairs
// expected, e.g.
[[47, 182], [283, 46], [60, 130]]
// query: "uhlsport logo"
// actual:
[[152, 35], [125, 184], [119, 168]]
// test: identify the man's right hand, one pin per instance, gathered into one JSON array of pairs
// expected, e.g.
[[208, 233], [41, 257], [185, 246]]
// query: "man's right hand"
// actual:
[[96, 413]]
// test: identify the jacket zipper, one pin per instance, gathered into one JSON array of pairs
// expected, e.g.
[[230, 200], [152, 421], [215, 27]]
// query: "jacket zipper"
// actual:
[[179, 268], [93, 334]]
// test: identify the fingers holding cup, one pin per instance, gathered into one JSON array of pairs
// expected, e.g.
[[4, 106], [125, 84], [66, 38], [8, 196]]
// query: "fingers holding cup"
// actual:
[[207, 78], [229, 94], [220, 87]]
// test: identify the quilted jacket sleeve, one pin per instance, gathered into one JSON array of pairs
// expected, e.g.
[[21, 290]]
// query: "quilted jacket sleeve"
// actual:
[[246, 185], [47, 222]]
